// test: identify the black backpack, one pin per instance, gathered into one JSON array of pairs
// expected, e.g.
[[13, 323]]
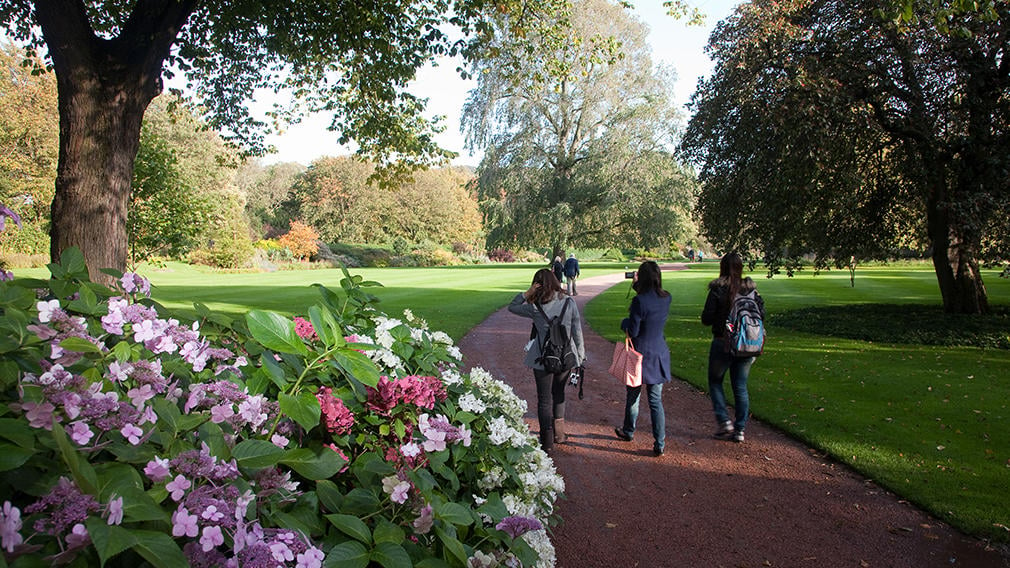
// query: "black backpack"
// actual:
[[745, 330], [556, 353]]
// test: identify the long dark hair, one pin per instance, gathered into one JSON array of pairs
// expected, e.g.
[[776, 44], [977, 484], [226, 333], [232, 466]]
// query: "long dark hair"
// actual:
[[549, 286], [650, 277], [731, 273]]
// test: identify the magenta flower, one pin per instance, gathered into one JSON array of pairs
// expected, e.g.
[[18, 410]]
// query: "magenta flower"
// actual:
[[184, 524], [39, 415], [304, 329], [425, 520], [337, 418], [7, 213]]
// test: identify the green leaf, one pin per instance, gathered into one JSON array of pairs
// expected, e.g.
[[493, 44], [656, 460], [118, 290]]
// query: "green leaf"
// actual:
[[80, 469], [271, 366], [109, 540], [351, 526], [325, 332], [453, 545], [122, 351], [391, 555], [159, 549], [386, 531], [79, 345], [454, 513], [350, 554], [311, 465], [360, 501], [13, 457], [357, 365], [303, 408], [72, 261], [329, 495], [257, 454], [275, 332], [17, 431]]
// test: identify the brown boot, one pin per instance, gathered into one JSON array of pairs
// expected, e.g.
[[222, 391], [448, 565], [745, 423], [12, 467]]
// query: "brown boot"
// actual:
[[559, 431]]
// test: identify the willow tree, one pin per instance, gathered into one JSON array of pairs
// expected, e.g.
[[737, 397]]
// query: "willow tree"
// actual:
[[568, 136], [829, 129], [353, 59]]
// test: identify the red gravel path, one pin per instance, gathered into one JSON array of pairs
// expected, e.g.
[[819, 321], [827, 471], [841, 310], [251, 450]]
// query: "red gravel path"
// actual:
[[770, 502]]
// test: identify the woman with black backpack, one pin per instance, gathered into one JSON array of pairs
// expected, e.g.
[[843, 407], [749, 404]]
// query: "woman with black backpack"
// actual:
[[721, 294], [542, 302]]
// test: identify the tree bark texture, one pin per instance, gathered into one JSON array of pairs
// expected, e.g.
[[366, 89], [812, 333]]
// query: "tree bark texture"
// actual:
[[104, 87]]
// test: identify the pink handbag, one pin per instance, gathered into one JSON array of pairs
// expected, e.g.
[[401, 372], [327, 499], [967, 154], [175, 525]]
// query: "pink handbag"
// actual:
[[627, 363]]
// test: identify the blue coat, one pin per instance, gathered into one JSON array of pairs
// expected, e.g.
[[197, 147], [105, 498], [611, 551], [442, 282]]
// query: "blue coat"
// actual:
[[645, 322]]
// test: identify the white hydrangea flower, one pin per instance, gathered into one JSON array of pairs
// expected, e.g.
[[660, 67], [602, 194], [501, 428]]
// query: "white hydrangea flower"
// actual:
[[454, 352], [451, 377], [541, 543], [441, 337], [499, 431], [471, 403]]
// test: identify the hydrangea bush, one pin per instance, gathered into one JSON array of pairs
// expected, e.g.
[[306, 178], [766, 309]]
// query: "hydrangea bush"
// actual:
[[131, 436]]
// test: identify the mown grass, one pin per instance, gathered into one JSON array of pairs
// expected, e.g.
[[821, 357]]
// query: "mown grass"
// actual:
[[852, 378]]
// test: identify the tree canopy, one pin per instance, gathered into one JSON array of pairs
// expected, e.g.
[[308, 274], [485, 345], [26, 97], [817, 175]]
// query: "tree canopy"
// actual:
[[829, 129], [570, 134], [352, 59]]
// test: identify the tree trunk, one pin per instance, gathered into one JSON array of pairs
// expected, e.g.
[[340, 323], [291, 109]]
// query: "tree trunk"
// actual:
[[99, 138], [104, 86], [957, 272]]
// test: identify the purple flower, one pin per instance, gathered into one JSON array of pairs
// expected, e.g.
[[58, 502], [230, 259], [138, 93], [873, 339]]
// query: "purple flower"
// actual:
[[115, 511], [132, 433], [518, 526], [39, 415], [80, 432], [178, 487], [6, 276], [211, 538], [184, 524], [78, 537], [133, 282], [157, 470], [311, 558], [10, 527], [6, 213]]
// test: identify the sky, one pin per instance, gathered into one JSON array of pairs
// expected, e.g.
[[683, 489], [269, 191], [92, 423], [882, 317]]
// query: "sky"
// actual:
[[673, 42]]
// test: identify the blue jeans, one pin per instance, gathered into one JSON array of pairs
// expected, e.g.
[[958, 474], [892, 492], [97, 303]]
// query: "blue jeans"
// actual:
[[719, 361], [655, 394]]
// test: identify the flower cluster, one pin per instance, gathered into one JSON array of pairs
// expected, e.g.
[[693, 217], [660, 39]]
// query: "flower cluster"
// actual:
[[268, 444]]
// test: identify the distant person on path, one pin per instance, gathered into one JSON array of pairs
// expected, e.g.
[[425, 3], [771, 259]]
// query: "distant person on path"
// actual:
[[644, 324], [701, 256], [559, 269], [545, 294], [571, 273], [721, 293], [690, 255]]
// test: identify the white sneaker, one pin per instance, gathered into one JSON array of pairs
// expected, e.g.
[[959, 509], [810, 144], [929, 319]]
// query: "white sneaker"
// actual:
[[738, 436], [725, 430]]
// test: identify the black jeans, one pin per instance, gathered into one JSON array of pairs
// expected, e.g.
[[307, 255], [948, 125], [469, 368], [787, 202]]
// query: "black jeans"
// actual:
[[550, 403]]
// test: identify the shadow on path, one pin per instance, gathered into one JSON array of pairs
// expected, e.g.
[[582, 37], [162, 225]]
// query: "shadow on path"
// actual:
[[770, 502]]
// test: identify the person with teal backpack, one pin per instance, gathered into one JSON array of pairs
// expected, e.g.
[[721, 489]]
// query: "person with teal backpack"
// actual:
[[728, 350]]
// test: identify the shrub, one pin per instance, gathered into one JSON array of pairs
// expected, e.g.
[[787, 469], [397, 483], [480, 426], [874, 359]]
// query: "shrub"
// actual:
[[348, 437], [300, 240], [501, 255], [400, 246]]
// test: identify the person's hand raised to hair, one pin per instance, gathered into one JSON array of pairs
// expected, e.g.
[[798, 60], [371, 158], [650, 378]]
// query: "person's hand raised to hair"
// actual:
[[533, 288]]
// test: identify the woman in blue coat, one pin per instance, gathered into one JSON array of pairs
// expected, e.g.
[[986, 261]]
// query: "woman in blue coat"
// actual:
[[644, 324]]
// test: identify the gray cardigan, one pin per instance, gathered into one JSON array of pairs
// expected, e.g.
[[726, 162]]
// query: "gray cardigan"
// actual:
[[573, 322]]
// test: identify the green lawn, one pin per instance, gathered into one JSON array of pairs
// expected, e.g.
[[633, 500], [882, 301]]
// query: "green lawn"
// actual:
[[930, 423]]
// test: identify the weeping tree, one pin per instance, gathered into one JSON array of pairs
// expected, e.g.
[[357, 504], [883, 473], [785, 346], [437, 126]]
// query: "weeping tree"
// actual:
[[830, 129], [351, 59], [569, 137]]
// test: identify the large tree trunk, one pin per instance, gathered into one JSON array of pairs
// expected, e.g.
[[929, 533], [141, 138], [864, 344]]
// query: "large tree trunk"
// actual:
[[957, 272], [104, 87], [99, 136]]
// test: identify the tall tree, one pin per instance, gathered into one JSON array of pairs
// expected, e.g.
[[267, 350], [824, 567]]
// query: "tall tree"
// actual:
[[350, 58], [592, 100], [827, 129]]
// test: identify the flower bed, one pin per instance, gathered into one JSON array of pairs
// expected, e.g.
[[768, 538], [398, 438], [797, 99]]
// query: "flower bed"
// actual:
[[131, 437]]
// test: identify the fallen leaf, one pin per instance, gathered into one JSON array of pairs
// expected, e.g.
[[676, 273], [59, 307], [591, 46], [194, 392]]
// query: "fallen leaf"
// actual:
[[611, 526]]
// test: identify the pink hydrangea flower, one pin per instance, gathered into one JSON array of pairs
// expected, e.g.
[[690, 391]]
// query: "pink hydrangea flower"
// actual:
[[115, 511], [178, 487], [39, 415], [212, 538], [157, 470], [10, 527], [132, 433], [304, 329], [311, 558], [80, 432], [78, 537]]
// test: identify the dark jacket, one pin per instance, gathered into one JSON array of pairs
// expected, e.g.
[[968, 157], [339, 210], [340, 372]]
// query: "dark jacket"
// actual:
[[645, 322], [573, 322], [558, 269], [572, 267], [717, 304]]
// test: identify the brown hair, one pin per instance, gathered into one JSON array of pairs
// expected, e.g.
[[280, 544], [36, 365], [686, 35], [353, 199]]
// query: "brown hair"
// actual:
[[731, 273], [650, 277], [549, 287]]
